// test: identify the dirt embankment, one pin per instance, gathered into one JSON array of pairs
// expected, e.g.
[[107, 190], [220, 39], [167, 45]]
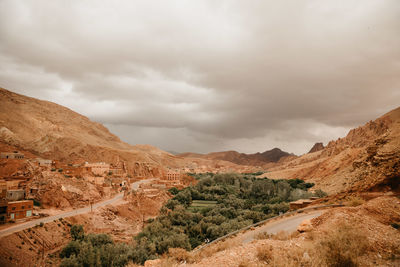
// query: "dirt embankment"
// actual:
[[35, 246]]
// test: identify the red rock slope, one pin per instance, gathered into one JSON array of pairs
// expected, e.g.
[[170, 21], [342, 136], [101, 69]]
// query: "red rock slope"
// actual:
[[367, 159]]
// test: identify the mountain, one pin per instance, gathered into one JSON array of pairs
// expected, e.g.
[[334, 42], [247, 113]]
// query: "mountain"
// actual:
[[257, 159], [366, 160], [55, 132]]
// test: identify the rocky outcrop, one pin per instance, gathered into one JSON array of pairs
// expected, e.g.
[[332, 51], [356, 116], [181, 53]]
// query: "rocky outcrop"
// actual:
[[317, 147]]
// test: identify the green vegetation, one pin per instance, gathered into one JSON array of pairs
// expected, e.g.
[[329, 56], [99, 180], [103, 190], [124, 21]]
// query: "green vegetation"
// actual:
[[173, 190], [94, 250], [217, 205]]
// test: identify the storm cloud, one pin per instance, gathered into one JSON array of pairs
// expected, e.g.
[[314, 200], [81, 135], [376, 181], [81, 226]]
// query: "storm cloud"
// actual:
[[208, 76]]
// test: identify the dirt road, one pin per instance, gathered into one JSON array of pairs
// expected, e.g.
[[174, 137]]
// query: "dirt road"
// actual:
[[288, 224], [26, 225]]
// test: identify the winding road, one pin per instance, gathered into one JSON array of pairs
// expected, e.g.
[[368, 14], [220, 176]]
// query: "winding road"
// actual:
[[26, 225], [287, 224]]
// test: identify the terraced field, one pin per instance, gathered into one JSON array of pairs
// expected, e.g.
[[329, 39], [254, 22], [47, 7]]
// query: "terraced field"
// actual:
[[201, 204]]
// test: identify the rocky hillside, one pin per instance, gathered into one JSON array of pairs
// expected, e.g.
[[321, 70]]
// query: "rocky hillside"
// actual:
[[52, 131], [257, 159], [367, 159]]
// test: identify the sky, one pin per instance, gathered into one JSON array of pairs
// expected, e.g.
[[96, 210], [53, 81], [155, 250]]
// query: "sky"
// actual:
[[206, 76]]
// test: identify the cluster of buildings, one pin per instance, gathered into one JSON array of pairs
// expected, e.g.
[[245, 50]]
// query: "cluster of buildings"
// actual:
[[14, 190], [102, 168], [169, 178], [13, 204]]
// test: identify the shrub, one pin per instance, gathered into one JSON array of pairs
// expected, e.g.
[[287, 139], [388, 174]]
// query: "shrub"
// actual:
[[180, 255], [265, 253], [172, 203], [342, 247], [41, 224], [319, 193], [72, 248], [77, 232], [355, 201], [173, 190], [60, 170], [262, 235], [70, 262], [98, 240]]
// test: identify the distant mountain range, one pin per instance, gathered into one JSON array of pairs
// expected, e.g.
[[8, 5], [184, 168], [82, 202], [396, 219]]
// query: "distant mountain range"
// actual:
[[256, 159]]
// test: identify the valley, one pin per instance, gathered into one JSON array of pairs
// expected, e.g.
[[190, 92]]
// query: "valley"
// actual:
[[140, 205]]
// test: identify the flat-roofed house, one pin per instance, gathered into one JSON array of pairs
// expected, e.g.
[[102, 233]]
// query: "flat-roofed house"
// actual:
[[172, 175], [14, 195], [98, 168], [11, 155], [44, 162], [19, 209]]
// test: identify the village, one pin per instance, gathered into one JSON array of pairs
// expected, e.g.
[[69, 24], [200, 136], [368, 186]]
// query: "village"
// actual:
[[21, 190]]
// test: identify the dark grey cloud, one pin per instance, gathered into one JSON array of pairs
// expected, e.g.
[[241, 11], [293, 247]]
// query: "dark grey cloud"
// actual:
[[206, 76]]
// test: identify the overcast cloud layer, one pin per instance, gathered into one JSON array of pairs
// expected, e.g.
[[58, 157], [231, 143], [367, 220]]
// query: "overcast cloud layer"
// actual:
[[208, 75]]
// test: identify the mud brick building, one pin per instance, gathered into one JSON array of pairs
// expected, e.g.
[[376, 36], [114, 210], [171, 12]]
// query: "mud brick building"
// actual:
[[14, 195], [11, 155], [19, 209], [99, 168], [172, 175]]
